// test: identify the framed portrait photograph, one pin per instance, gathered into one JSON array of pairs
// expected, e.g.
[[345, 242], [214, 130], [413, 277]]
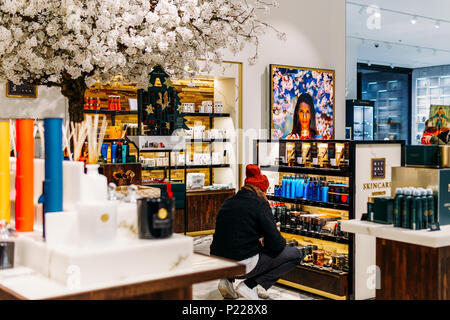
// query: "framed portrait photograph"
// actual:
[[24, 90], [302, 103]]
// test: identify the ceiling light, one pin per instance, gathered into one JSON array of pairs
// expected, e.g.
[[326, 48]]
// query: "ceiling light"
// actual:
[[361, 10], [414, 20], [437, 25]]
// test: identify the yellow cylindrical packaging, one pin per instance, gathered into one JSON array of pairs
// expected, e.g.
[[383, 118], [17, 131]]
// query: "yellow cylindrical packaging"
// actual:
[[5, 205]]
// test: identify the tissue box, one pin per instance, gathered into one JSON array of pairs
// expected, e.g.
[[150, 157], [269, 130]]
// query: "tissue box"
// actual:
[[195, 180]]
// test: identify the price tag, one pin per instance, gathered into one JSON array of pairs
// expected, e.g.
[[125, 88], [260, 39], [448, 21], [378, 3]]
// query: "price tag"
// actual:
[[299, 160], [315, 161], [333, 162]]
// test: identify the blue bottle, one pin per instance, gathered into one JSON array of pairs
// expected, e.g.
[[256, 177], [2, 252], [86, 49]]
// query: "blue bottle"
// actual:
[[325, 189], [293, 187], [299, 187], [319, 190], [310, 190], [283, 187], [288, 187]]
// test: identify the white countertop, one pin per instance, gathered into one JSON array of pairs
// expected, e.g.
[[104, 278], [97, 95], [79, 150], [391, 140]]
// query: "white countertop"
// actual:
[[434, 239], [32, 285]]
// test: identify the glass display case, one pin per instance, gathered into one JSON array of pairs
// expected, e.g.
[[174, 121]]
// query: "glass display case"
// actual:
[[389, 89], [360, 117]]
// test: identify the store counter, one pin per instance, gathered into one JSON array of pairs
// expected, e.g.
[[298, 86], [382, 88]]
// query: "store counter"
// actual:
[[202, 207], [24, 283], [412, 264]]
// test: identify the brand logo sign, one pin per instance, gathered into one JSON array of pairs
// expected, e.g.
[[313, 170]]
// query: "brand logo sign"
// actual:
[[378, 168]]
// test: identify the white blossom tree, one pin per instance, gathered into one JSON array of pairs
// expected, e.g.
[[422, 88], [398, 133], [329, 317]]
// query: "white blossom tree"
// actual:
[[74, 43]]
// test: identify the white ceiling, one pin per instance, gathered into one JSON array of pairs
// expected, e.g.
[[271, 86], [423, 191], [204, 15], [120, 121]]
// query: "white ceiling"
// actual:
[[398, 29]]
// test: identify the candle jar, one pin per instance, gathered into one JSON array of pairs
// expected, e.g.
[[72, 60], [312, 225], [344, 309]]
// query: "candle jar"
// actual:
[[155, 217], [319, 257]]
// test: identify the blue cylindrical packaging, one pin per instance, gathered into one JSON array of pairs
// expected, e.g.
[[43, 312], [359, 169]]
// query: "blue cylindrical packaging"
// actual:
[[113, 153], [293, 187], [324, 190], [104, 152], [53, 184], [124, 153]]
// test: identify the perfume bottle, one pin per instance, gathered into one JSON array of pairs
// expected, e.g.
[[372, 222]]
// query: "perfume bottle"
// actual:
[[6, 247], [155, 217]]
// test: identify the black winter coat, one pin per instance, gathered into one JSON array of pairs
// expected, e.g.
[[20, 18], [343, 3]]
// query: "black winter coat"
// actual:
[[242, 220]]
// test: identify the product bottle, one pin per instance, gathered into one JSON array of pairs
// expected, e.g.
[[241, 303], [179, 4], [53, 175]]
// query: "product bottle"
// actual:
[[6, 247], [424, 200], [288, 187], [398, 207], [325, 189], [406, 207], [416, 213], [119, 153], [299, 187], [293, 186], [94, 185], [124, 152], [431, 206], [283, 186]]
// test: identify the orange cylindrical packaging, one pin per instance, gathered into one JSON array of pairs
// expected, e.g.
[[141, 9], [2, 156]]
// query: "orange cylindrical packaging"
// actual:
[[24, 175]]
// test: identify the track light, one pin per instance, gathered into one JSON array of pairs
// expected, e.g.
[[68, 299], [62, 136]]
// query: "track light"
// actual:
[[437, 24], [414, 20]]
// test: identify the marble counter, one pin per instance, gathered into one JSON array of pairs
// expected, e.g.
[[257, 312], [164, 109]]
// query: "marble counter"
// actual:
[[435, 239]]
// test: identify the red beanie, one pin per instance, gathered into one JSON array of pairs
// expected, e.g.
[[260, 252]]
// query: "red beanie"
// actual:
[[254, 177]]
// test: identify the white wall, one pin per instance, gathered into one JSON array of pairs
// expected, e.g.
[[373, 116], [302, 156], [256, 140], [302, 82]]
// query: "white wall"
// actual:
[[352, 68], [315, 38], [50, 103]]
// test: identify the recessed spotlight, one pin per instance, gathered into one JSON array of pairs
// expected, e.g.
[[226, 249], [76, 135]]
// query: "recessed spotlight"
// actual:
[[414, 20], [437, 25], [361, 10]]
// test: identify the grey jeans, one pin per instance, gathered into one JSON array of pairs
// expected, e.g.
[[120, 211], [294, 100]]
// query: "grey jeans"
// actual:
[[268, 270]]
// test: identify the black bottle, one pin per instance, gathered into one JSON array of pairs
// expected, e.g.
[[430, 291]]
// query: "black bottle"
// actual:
[[119, 153], [155, 217]]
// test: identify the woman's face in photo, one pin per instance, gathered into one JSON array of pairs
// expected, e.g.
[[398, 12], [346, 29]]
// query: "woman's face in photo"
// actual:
[[304, 114]]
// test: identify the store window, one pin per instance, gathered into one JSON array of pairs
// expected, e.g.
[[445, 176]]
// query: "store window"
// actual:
[[390, 90]]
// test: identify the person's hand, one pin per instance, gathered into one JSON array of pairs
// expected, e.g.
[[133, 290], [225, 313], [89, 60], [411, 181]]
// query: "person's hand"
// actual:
[[278, 226], [261, 240]]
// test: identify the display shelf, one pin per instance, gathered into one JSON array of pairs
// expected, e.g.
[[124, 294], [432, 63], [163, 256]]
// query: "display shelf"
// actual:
[[309, 170], [112, 112], [213, 166], [210, 115], [329, 270], [329, 205], [206, 140], [315, 235]]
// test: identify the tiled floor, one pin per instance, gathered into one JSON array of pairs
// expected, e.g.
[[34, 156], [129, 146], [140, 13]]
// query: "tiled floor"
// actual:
[[208, 290]]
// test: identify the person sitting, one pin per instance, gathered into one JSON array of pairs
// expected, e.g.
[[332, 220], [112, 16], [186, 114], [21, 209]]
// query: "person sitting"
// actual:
[[246, 232]]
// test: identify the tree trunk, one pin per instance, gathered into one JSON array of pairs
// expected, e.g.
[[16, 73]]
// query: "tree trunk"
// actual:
[[73, 89]]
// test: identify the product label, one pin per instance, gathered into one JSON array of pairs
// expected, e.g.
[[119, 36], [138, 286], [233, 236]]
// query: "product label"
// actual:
[[315, 161], [333, 162], [299, 160]]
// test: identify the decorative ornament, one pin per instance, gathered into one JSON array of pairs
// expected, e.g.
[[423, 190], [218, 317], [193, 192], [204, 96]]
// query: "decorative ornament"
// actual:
[[150, 109]]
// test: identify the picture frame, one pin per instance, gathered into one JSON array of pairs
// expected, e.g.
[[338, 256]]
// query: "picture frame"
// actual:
[[318, 83], [24, 90]]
